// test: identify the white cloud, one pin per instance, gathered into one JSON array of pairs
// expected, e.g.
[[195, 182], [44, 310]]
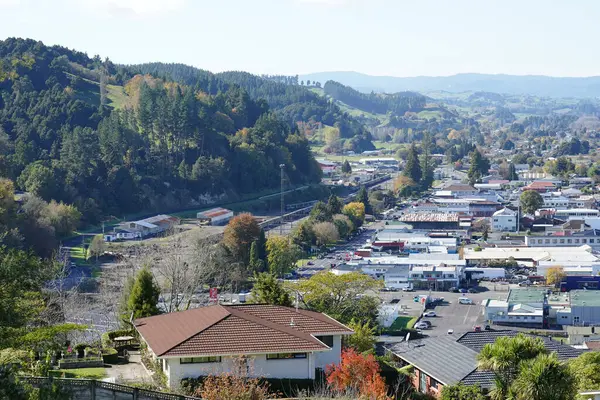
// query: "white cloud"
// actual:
[[324, 2], [9, 3], [135, 7]]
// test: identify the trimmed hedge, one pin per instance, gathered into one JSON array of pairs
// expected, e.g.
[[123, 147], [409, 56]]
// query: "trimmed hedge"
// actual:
[[110, 356], [107, 337]]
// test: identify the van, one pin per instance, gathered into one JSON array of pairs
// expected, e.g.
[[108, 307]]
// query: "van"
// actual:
[[465, 300]]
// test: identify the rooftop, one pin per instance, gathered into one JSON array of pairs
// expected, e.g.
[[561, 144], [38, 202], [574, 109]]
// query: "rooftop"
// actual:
[[460, 187], [240, 329], [581, 298], [214, 212], [558, 254], [526, 295], [429, 217]]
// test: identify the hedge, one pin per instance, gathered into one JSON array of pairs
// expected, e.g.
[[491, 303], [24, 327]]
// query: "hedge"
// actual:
[[107, 337], [110, 356]]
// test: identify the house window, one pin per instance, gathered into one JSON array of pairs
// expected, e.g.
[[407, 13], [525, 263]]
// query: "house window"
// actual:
[[576, 240], [562, 241], [199, 360], [285, 356], [575, 320], [433, 384], [569, 240], [591, 240], [547, 241], [328, 340]]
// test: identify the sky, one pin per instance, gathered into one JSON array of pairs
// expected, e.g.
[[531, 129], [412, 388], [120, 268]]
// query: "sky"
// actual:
[[376, 37]]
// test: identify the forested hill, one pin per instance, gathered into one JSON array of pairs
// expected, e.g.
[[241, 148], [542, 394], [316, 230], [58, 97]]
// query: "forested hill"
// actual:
[[90, 133], [397, 103], [292, 102]]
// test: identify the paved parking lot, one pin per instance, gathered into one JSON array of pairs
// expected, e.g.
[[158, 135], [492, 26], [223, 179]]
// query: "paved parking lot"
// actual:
[[450, 314]]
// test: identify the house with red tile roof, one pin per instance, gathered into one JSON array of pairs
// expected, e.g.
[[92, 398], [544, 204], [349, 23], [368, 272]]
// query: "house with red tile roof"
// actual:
[[540, 186], [275, 341]]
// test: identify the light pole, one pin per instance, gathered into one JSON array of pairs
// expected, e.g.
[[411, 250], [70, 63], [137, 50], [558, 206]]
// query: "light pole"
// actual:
[[281, 167]]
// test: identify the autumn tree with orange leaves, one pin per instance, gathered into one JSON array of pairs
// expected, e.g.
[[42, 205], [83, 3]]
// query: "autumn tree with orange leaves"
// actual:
[[239, 234], [357, 374]]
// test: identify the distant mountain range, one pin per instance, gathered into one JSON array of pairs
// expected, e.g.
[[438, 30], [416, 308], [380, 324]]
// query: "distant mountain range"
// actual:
[[511, 84]]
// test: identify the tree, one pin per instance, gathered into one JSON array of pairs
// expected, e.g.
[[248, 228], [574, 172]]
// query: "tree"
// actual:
[[326, 233], [334, 205], [461, 391], [479, 167], [504, 358], [97, 247], [586, 370], [256, 264], [303, 234], [363, 197], [262, 245], [544, 378], [485, 234], [346, 167], [427, 166], [508, 145], [358, 375], [281, 255], [555, 275], [405, 186], [531, 201], [144, 295], [320, 212], [239, 234], [236, 385], [343, 224], [341, 297], [363, 338], [412, 168], [512, 173], [356, 212], [268, 290]]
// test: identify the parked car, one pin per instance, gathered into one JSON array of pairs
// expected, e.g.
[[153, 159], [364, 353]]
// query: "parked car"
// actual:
[[424, 321], [488, 328], [421, 325], [430, 314], [408, 289], [465, 300], [453, 290], [394, 301], [450, 331], [463, 290], [472, 290], [477, 328], [310, 263]]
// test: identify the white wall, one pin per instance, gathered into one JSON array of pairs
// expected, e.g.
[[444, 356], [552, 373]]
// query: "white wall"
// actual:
[[504, 223], [323, 359], [298, 368]]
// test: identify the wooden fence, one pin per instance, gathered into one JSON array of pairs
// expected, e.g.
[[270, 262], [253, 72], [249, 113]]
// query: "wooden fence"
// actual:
[[89, 389]]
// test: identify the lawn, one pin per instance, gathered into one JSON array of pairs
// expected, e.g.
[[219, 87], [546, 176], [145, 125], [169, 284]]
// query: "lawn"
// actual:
[[403, 323], [82, 373]]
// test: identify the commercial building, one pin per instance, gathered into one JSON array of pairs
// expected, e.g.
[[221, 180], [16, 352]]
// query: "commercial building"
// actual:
[[524, 307], [215, 216], [431, 220], [142, 228], [590, 237], [531, 256], [504, 220], [274, 341]]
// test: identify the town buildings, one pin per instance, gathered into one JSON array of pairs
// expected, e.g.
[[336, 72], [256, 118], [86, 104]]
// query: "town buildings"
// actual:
[[142, 228], [215, 216], [505, 220], [272, 341]]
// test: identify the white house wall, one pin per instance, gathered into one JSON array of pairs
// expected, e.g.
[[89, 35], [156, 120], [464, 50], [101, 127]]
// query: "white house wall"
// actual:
[[259, 366], [323, 359]]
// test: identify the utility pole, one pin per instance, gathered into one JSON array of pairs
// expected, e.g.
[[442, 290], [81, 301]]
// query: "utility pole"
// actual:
[[282, 167]]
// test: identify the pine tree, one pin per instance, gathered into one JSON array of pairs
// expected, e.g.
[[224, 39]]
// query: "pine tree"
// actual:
[[363, 197], [426, 162], [268, 290], [346, 167], [261, 244], [412, 169], [144, 295], [479, 166], [256, 264], [512, 173], [334, 205]]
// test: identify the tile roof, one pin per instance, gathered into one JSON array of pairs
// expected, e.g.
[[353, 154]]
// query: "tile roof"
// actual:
[[450, 360], [241, 329]]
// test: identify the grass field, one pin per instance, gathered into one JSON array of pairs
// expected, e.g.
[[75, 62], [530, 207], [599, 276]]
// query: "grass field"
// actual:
[[117, 96], [83, 373], [403, 323]]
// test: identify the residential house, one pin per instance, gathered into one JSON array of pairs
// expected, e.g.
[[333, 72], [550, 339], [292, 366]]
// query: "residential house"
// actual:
[[273, 341], [142, 228], [328, 167], [540, 186], [452, 359], [504, 220], [461, 190]]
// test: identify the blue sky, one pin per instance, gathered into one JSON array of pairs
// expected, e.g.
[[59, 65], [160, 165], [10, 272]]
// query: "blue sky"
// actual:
[[378, 37]]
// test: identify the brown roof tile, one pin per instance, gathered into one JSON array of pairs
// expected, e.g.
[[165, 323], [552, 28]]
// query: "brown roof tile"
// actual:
[[242, 329]]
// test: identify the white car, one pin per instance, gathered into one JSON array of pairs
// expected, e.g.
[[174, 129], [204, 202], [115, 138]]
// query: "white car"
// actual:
[[450, 331], [465, 300], [430, 314], [421, 325]]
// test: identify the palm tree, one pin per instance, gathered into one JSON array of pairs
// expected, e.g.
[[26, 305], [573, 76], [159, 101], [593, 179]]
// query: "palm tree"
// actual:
[[504, 358], [544, 378]]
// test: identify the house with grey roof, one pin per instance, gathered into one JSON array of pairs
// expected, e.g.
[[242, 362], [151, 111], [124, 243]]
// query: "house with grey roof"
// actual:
[[448, 360]]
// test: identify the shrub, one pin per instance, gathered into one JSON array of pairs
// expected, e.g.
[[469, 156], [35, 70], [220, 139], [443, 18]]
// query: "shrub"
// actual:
[[110, 356], [107, 337]]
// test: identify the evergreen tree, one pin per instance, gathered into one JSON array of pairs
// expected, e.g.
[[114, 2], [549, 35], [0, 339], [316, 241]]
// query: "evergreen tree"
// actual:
[[256, 264], [144, 295], [363, 197], [412, 169], [261, 244], [346, 167], [479, 167], [334, 205], [512, 173], [426, 162], [268, 290]]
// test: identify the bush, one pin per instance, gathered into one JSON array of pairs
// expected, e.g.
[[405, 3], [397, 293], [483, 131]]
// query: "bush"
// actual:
[[107, 337], [110, 356]]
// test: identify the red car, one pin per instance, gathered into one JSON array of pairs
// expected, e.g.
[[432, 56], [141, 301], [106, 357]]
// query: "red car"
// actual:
[[477, 328]]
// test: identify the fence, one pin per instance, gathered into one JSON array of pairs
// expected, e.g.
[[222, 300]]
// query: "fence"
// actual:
[[89, 389]]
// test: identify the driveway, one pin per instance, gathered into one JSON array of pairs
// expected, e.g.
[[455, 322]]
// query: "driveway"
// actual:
[[129, 372]]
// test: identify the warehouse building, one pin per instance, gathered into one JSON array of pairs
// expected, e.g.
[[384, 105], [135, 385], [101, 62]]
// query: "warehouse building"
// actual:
[[215, 216]]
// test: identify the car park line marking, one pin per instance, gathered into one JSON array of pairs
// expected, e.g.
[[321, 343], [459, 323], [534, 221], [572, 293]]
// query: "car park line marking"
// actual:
[[467, 314]]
